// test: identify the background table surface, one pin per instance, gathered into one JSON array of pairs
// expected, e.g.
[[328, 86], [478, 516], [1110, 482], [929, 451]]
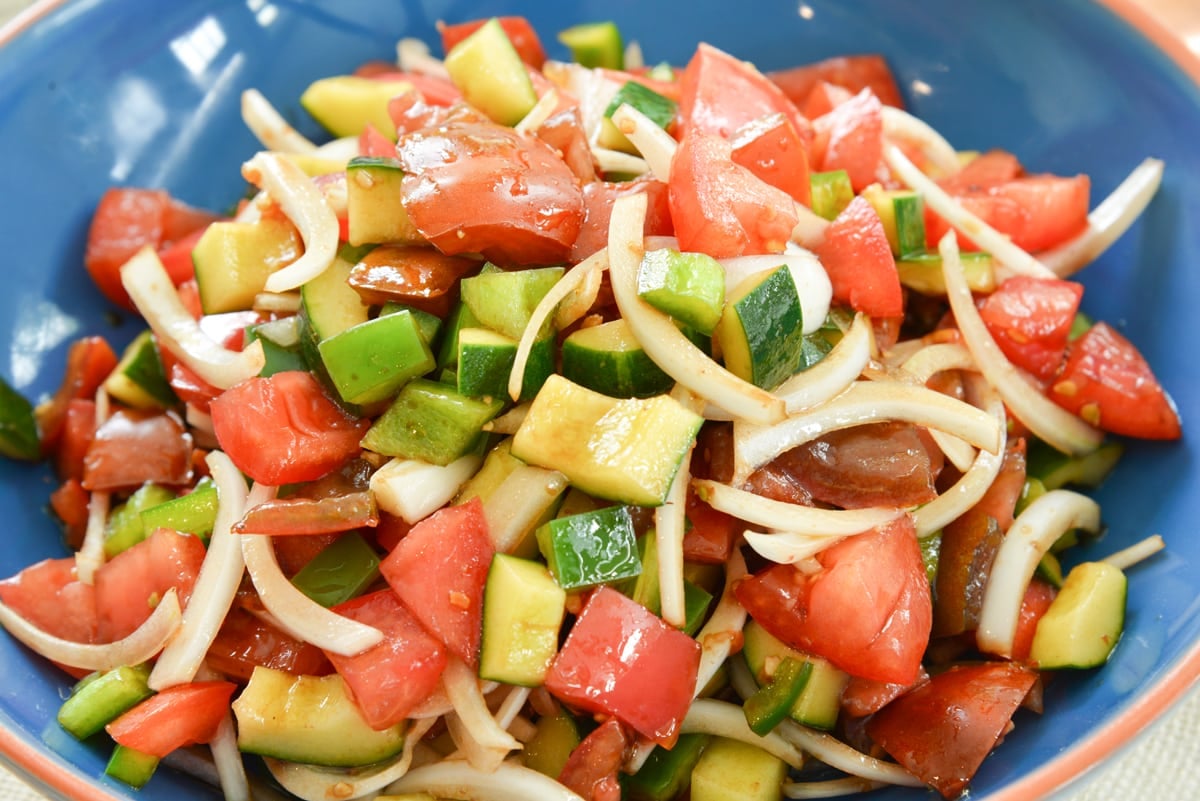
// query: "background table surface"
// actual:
[[1164, 763]]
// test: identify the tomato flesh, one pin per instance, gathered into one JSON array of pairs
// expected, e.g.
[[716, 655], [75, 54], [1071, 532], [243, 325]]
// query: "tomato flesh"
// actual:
[[1036, 211], [132, 447], [853, 73], [1030, 319], [859, 261], [850, 137], [89, 362], [592, 768], [720, 93], [49, 596], [130, 584], [598, 199], [772, 149], [522, 35], [246, 641], [1038, 597], [186, 714]]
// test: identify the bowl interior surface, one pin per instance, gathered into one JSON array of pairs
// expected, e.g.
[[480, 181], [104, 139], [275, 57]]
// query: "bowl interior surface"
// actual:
[[145, 93]]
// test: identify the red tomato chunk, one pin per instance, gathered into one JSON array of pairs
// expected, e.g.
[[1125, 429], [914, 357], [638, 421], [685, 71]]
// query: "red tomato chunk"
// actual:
[[186, 714]]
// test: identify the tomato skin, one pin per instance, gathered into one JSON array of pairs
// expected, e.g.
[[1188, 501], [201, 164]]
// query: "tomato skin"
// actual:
[[598, 199], [1030, 319], [439, 570], [1038, 597], [75, 436], [862, 697], [859, 261], [616, 661], [720, 93], [526, 204], [522, 35], [49, 596], [185, 714], [176, 258], [391, 679], [592, 768], [853, 72], [70, 505], [130, 583], [245, 641], [89, 362], [942, 730], [132, 447], [850, 137], [712, 533], [303, 517], [721, 208], [772, 149], [880, 637], [283, 429], [420, 277], [1108, 383]]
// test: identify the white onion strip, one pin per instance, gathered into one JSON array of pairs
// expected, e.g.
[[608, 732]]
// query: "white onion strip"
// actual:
[[661, 338], [140, 645], [295, 612], [413, 55], [1140, 550], [151, 290], [724, 719], [610, 161], [90, 555], [810, 227], [898, 123], [789, 547], [269, 126], [830, 788], [923, 365], [1024, 544], [216, 584], [227, 759], [540, 112], [1108, 221], [783, 516], [462, 688], [1048, 421], [864, 402], [656, 145], [970, 225], [305, 206], [457, 779], [670, 525], [831, 376]]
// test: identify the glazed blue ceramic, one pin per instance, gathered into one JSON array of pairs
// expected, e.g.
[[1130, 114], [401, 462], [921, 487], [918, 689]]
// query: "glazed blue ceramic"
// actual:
[[145, 93]]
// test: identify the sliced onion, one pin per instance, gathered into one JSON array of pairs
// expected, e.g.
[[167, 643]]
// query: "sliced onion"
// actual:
[[1026, 541], [810, 278], [661, 338], [783, 516], [305, 206], [90, 555], [923, 365], [864, 402], [227, 759], [1108, 221], [342, 149], [507, 423], [216, 585], [272, 130], [789, 547], [412, 489], [278, 303], [540, 112], [810, 227], [725, 719], [150, 288], [616, 161], [832, 375], [656, 145], [963, 221], [139, 646], [457, 779], [413, 55], [1050, 422], [475, 731], [1143, 549], [830, 788], [670, 525], [941, 154]]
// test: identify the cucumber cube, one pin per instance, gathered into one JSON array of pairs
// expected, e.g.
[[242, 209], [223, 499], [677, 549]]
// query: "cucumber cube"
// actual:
[[1085, 620], [592, 548], [831, 192], [488, 71], [344, 104], [130, 766], [234, 259], [688, 286], [730, 770], [761, 331], [608, 358], [485, 362], [374, 209], [523, 609], [125, 525], [139, 379], [101, 698]]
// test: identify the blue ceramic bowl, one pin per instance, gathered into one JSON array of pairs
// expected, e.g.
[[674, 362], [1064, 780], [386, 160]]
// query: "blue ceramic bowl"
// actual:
[[144, 92]]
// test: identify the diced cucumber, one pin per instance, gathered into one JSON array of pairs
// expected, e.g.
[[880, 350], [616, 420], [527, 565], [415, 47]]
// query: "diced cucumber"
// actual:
[[485, 362], [595, 44], [370, 361], [592, 548], [309, 719], [280, 357], [139, 379], [730, 770], [18, 427], [688, 286], [101, 698], [1056, 470], [523, 609], [344, 104], [772, 703], [504, 301], [658, 109], [626, 450], [234, 259], [922, 270], [344, 569], [460, 317], [194, 513], [761, 332], [1085, 620], [667, 772], [431, 422], [489, 72], [608, 358], [328, 306], [820, 699], [130, 766], [902, 212], [556, 737], [125, 527], [430, 325], [831, 192], [374, 208]]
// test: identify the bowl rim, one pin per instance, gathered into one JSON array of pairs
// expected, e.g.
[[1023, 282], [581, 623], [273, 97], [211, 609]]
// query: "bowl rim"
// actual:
[[47, 773]]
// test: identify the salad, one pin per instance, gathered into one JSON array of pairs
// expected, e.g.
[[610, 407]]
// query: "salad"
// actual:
[[588, 430]]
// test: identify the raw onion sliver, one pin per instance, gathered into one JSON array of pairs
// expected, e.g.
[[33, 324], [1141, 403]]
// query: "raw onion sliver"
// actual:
[[609, 161], [540, 112], [304, 204], [783, 516], [1048, 421], [923, 365], [272, 130], [141, 645], [661, 338], [831, 376], [789, 547], [151, 290], [725, 719], [413, 55], [940, 153], [830, 788], [1142, 549], [413, 489], [670, 525], [656, 145], [471, 709], [1026, 541], [509, 782], [227, 759], [810, 227], [90, 555]]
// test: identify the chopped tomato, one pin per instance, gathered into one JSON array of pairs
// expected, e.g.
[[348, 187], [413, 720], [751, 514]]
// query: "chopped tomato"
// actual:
[[283, 429], [592, 768], [721, 208], [855, 73], [391, 679], [719, 94], [1038, 597], [563, 131], [1035, 211], [49, 596], [850, 137], [89, 362], [176, 258], [292, 517], [859, 260], [129, 585], [70, 504], [433, 90], [772, 148], [371, 142], [420, 277], [867, 609], [439, 570], [711, 535], [520, 33], [942, 730], [614, 662], [75, 436], [598, 199], [132, 447], [246, 641], [823, 97], [1108, 383], [526, 204], [862, 697], [1030, 319], [186, 714], [986, 170]]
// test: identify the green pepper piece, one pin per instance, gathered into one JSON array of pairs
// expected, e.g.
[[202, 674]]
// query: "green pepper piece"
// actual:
[[18, 426], [343, 570], [667, 772], [194, 513], [125, 527], [102, 697], [130, 766], [773, 701]]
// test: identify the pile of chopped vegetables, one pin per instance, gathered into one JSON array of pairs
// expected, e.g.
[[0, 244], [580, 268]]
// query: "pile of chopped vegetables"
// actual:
[[588, 429]]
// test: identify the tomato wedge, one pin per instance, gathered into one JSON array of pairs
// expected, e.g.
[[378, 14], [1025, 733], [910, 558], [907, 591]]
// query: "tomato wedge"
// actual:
[[592, 768], [1036, 211], [89, 362], [853, 72], [246, 641], [49, 596], [128, 585], [720, 93], [772, 149], [132, 447], [186, 714], [1030, 319], [850, 137], [598, 199], [1038, 597], [859, 261]]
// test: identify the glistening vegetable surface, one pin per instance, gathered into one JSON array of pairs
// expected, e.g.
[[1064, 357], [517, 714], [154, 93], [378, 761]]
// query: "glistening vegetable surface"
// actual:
[[1138, 152]]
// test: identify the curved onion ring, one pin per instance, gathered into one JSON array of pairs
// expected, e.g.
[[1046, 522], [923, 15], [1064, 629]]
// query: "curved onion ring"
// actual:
[[923, 365], [670, 525], [933, 146], [831, 376], [269, 126], [656, 145], [457, 779], [783, 516], [725, 719]]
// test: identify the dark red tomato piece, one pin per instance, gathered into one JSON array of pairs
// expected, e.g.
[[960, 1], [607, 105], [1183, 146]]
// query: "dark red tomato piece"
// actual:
[[371, 142], [854, 72], [850, 137], [592, 768], [719, 94], [711, 536], [880, 634], [620, 659], [439, 570], [1035, 211], [75, 436], [862, 697], [186, 714], [526, 204], [985, 170], [389, 680], [1108, 383], [942, 730], [125, 221], [89, 362], [130, 584], [49, 596], [520, 33], [823, 97], [132, 447], [598, 199], [563, 131], [721, 208], [246, 641], [292, 517], [1030, 319], [859, 261], [772, 148], [284, 429], [1038, 597], [70, 504], [420, 277]]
